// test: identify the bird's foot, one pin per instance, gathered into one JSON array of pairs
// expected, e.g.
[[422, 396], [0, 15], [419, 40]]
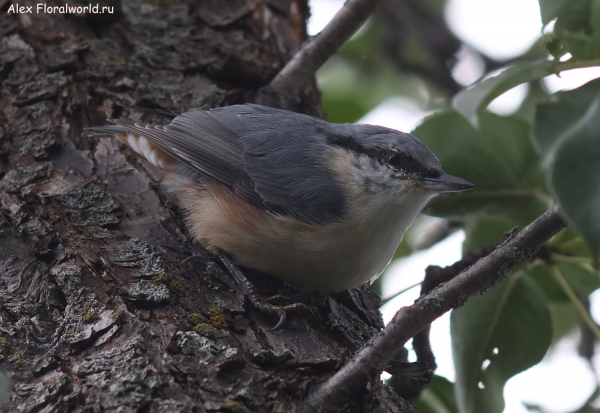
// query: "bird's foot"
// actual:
[[276, 299], [261, 304]]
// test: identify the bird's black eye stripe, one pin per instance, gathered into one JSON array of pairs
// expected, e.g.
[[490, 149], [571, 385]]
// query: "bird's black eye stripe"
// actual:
[[407, 164], [395, 159], [404, 163]]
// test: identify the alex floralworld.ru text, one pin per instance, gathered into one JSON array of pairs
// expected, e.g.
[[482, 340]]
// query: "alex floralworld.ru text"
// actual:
[[65, 9]]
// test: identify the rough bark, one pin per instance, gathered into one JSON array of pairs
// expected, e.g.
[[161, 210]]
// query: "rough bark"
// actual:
[[95, 312]]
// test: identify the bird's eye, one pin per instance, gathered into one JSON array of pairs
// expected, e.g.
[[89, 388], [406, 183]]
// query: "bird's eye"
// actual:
[[404, 163], [396, 160]]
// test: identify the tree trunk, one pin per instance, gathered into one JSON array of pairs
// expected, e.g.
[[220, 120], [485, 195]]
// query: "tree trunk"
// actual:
[[95, 312]]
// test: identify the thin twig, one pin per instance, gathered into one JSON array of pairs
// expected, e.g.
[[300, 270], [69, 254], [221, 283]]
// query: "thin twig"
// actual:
[[435, 276], [408, 321], [560, 258], [298, 72], [386, 300], [575, 242]]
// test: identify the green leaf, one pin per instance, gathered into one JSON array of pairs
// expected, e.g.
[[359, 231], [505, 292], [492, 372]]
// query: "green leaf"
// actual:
[[537, 94], [565, 319], [577, 31], [582, 281], [567, 134], [575, 175], [485, 231], [549, 9], [472, 100], [570, 14], [582, 47], [434, 9], [542, 276], [360, 46], [577, 28], [495, 336], [359, 78], [340, 109], [498, 158], [438, 397], [351, 89], [572, 243], [554, 118]]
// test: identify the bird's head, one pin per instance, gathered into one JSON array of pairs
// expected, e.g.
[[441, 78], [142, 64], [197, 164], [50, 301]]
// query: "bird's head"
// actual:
[[392, 165]]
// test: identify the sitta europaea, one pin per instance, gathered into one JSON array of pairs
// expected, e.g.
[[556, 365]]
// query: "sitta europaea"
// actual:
[[318, 204]]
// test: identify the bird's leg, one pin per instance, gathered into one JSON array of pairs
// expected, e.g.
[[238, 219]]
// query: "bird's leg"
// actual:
[[250, 291]]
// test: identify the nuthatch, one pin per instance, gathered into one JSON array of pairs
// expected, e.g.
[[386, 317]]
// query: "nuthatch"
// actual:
[[318, 204]]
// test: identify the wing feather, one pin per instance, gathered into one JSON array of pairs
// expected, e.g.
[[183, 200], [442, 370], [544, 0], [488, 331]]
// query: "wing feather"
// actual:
[[272, 158]]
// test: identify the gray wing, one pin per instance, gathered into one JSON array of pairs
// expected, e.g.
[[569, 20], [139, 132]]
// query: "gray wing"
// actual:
[[269, 157]]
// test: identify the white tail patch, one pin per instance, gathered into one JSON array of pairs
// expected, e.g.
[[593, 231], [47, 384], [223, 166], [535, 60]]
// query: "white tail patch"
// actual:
[[146, 149], [164, 162]]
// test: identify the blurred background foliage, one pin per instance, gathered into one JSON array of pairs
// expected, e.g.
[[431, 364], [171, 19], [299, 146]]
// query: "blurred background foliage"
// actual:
[[546, 152]]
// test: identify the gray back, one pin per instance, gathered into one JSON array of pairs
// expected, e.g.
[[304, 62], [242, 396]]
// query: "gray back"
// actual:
[[271, 158]]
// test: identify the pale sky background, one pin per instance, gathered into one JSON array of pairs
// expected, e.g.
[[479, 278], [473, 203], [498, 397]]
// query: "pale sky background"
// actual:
[[501, 29]]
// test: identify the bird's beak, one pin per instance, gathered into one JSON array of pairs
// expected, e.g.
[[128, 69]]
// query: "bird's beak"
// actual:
[[446, 183]]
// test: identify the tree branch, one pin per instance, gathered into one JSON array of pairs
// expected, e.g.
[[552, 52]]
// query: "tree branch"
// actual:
[[408, 321], [297, 73], [434, 276]]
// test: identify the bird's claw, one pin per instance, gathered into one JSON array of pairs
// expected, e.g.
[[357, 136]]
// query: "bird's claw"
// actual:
[[250, 292], [282, 312], [196, 257], [282, 317], [266, 307]]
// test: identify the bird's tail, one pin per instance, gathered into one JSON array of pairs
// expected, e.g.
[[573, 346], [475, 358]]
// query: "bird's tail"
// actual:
[[107, 131], [137, 142]]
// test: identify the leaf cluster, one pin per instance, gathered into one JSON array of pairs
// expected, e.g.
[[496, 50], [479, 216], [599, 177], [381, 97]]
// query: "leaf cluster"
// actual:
[[547, 152], [521, 165]]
